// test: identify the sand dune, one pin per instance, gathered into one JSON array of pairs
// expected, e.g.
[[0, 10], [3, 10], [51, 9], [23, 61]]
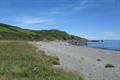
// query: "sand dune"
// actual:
[[87, 61]]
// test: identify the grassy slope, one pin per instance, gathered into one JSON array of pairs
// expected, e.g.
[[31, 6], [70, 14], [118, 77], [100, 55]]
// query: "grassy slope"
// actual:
[[20, 61], [53, 34], [16, 33]]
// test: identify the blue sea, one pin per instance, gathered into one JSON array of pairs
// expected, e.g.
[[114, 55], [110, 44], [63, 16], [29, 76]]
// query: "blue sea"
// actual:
[[107, 44]]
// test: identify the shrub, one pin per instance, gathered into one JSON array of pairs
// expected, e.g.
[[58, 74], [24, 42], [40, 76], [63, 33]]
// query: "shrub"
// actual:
[[109, 66]]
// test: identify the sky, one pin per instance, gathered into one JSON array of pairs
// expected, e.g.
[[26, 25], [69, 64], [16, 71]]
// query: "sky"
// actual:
[[91, 19]]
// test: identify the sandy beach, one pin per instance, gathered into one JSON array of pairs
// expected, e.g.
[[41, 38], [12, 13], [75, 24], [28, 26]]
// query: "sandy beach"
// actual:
[[87, 61]]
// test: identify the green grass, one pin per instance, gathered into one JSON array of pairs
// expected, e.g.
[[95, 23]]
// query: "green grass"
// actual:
[[4, 29], [9, 32], [20, 61]]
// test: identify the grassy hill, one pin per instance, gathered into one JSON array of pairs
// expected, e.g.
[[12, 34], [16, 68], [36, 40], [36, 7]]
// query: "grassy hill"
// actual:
[[9, 32], [20, 61]]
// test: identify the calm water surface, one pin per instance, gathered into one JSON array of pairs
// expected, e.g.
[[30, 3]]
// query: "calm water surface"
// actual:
[[107, 44]]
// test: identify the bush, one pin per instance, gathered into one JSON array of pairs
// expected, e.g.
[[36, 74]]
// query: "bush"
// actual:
[[109, 66]]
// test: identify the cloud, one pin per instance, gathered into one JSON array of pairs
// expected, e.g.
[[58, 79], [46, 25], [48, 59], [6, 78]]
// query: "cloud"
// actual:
[[76, 6], [83, 3], [111, 35], [90, 37], [34, 21], [55, 12], [79, 5], [107, 35], [30, 20]]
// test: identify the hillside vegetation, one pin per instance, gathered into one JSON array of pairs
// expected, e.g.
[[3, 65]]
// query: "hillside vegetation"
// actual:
[[8, 32], [20, 61]]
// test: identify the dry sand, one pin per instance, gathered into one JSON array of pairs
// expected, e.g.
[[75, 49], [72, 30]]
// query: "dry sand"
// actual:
[[84, 60]]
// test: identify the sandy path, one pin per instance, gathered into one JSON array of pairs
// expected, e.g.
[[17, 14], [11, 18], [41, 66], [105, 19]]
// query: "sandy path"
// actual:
[[84, 60]]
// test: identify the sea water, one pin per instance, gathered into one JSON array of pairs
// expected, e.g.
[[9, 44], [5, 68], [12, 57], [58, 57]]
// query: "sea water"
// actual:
[[106, 44]]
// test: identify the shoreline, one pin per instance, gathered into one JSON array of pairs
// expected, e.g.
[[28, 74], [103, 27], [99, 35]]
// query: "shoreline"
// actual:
[[101, 48], [106, 49], [106, 44], [89, 62], [84, 46]]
